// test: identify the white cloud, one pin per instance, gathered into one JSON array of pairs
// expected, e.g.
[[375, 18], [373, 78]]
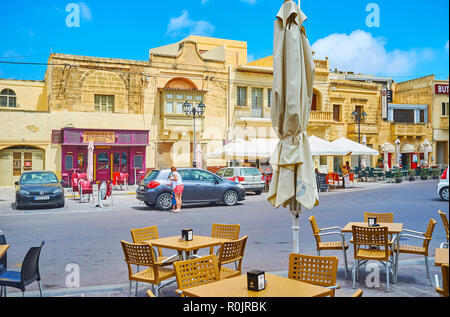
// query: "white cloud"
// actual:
[[183, 24], [360, 52], [446, 46], [250, 1], [85, 11]]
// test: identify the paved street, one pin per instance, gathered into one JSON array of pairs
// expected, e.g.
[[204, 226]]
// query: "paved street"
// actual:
[[90, 237]]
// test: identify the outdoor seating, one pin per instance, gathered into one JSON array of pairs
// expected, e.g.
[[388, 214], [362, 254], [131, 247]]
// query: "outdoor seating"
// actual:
[[196, 272], [85, 188], [109, 192], [150, 293], [123, 181], [443, 291], [419, 250], [28, 274], [364, 240], [330, 180], [231, 252], [317, 270], [230, 232], [358, 293], [381, 217], [75, 185], [445, 223], [335, 245], [144, 255], [143, 235]]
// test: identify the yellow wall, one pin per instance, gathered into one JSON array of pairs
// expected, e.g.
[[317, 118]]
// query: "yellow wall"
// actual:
[[31, 95]]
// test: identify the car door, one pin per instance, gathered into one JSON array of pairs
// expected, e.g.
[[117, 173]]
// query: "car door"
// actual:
[[206, 186], [189, 186]]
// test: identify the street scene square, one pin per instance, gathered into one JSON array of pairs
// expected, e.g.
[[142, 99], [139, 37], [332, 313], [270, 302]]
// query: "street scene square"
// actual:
[[224, 151]]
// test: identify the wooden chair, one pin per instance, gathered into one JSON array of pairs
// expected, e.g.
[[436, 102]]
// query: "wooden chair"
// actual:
[[230, 232], [381, 217], [364, 240], [445, 223], [358, 293], [144, 255], [146, 234], [317, 270], [444, 290], [196, 272], [419, 250], [231, 252], [150, 293], [335, 245]]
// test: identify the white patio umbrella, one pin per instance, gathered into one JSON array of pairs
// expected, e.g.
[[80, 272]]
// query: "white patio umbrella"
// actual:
[[355, 147], [199, 156], [293, 182], [397, 153], [90, 162], [427, 149], [233, 150], [321, 147], [364, 157]]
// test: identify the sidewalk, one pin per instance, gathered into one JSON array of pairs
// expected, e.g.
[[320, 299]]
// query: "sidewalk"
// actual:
[[412, 282]]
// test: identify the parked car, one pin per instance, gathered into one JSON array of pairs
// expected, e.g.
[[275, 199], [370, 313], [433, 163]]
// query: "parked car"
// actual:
[[199, 186], [249, 177], [442, 188], [39, 189]]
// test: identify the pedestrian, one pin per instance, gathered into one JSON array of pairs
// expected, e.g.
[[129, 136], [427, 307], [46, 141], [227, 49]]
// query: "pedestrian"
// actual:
[[177, 182], [174, 202]]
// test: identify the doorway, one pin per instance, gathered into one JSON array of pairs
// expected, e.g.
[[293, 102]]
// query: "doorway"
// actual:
[[102, 165]]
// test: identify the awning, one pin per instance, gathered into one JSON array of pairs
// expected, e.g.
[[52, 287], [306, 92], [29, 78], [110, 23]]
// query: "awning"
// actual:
[[407, 148], [355, 148], [321, 147], [390, 148]]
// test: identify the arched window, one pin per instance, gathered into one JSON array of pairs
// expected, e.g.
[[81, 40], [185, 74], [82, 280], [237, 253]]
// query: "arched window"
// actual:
[[8, 98]]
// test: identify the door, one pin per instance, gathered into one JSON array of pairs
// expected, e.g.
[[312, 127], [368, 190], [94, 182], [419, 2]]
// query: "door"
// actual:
[[414, 160], [189, 186], [120, 164], [206, 187], [103, 166]]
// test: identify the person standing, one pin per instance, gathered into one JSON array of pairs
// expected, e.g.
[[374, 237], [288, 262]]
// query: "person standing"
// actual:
[[177, 182]]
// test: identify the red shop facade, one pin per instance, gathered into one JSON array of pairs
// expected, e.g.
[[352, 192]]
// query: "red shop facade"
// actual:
[[115, 151]]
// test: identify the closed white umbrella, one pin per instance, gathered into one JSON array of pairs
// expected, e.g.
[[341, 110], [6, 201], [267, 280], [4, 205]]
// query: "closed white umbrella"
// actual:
[[397, 153], [293, 182], [364, 157], [427, 149], [90, 162], [199, 156]]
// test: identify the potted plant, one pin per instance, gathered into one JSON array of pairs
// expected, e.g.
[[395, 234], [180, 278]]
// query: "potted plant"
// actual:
[[435, 173], [398, 177], [412, 174], [424, 174]]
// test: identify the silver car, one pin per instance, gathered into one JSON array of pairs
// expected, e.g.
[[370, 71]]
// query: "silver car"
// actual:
[[249, 177]]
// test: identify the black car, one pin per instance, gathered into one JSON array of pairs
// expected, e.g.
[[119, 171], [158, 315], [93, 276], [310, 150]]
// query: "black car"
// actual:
[[199, 186], [36, 189]]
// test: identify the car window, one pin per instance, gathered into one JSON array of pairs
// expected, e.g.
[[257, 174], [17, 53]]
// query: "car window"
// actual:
[[220, 172], [203, 176], [38, 178], [229, 172], [252, 171], [185, 175], [152, 176]]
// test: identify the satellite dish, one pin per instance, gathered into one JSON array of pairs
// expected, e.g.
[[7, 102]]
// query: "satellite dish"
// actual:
[[102, 190]]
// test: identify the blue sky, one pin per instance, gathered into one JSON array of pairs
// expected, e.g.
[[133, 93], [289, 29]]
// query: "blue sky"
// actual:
[[411, 39]]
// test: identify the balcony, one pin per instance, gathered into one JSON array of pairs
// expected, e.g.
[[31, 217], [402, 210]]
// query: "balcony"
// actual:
[[253, 115], [180, 122], [322, 67], [408, 130], [321, 116], [367, 128]]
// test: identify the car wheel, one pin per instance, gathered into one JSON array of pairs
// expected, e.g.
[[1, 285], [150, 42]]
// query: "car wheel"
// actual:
[[148, 204], [164, 201], [444, 193], [18, 207], [230, 198], [61, 205], [258, 192]]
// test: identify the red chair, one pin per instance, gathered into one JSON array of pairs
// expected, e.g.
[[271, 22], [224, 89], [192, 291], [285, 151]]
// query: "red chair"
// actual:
[[115, 178], [123, 180], [330, 180], [74, 184], [109, 192], [85, 188], [82, 176]]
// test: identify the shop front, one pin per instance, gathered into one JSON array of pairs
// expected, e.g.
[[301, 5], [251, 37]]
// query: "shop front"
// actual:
[[115, 152]]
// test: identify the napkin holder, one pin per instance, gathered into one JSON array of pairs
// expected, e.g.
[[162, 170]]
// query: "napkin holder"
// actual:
[[256, 280]]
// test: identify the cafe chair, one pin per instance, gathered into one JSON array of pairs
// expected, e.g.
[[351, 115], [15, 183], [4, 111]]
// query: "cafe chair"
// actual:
[[418, 250], [196, 272], [334, 245], [85, 188], [28, 274], [150, 293], [231, 252], [444, 290], [445, 223], [123, 181], [222, 231], [358, 293], [364, 240], [317, 270], [381, 217], [144, 255], [75, 185]]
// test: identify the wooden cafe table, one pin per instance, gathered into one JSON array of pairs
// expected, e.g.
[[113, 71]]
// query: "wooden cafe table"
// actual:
[[393, 228], [441, 257], [185, 248], [3, 249], [277, 286]]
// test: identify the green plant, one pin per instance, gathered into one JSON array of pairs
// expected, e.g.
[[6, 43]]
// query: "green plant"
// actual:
[[398, 175], [424, 172], [436, 172], [411, 172]]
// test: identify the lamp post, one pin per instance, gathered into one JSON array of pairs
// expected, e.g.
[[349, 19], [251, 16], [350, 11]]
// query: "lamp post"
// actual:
[[197, 111], [359, 118]]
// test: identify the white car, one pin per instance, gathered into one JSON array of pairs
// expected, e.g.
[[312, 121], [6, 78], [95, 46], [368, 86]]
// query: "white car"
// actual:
[[442, 189], [249, 177]]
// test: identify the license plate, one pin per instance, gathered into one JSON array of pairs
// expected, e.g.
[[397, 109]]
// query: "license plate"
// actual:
[[141, 187], [42, 198]]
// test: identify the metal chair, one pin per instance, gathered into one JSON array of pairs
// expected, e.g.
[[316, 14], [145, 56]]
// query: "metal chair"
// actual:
[[317, 270], [3, 260], [445, 223], [444, 290], [364, 240], [85, 188], [358, 293], [335, 245], [419, 250], [150, 293], [144, 255], [196, 272], [231, 252], [29, 272]]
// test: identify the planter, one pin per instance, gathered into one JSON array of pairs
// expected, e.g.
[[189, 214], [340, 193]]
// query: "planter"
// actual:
[[412, 179], [398, 180], [435, 177], [424, 178]]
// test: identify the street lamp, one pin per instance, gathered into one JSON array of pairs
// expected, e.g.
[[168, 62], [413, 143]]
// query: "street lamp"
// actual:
[[198, 111], [359, 118]]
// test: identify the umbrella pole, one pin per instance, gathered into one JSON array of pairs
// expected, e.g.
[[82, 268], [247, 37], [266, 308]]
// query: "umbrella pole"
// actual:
[[295, 211]]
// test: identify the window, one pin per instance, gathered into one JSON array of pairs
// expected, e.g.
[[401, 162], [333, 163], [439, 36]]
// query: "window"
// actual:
[[404, 115], [314, 103], [445, 109], [104, 103], [229, 173], [257, 102], [202, 176], [422, 116], [173, 104], [337, 113], [81, 160], [8, 98], [68, 162], [323, 160], [220, 172], [138, 161], [359, 109], [269, 98], [242, 96], [185, 175]]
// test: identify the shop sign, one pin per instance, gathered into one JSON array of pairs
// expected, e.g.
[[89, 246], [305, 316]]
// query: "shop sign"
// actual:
[[99, 137], [441, 89]]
